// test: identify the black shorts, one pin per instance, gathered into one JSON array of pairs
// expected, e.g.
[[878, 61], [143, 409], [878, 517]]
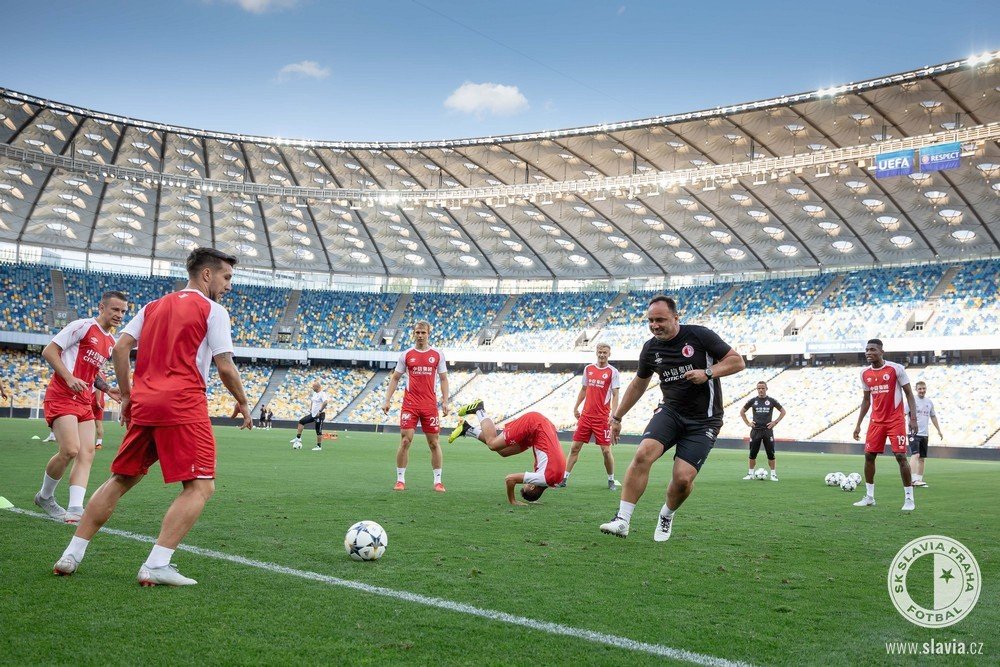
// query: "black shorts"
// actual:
[[309, 419], [694, 437], [918, 445], [759, 435]]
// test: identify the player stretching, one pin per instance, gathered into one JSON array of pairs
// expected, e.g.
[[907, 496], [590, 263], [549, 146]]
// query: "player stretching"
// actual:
[[918, 441], [317, 414], [422, 364], [76, 355], [884, 384], [599, 395], [689, 360], [762, 428], [166, 411], [531, 430]]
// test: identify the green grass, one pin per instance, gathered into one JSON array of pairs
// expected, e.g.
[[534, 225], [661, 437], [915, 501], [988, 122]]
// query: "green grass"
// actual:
[[786, 573]]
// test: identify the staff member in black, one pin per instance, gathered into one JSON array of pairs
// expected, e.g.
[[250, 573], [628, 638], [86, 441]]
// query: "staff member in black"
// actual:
[[689, 360], [762, 428]]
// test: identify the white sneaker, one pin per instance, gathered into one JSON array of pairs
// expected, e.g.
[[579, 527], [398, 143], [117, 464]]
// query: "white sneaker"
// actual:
[[867, 501], [317, 448], [163, 576], [294, 440], [50, 506], [749, 475], [65, 566], [919, 482], [617, 527], [51, 437], [908, 506], [73, 514], [613, 485], [663, 527], [774, 477]]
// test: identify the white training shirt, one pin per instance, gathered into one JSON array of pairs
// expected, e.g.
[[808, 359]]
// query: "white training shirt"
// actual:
[[318, 399], [925, 410]]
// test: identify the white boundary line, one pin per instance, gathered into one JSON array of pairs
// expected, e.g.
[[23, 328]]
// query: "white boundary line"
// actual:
[[440, 603]]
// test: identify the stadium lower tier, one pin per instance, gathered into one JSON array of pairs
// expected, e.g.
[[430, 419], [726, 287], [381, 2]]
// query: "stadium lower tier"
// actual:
[[822, 402]]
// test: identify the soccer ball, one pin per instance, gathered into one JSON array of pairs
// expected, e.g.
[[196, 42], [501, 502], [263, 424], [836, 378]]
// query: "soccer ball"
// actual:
[[855, 477], [840, 477], [848, 484], [365, 540], [760, 473], [831, 479], [297, 444]]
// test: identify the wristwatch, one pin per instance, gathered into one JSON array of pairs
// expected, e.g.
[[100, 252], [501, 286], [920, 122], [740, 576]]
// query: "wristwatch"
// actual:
[[613, 418], [708, 372]]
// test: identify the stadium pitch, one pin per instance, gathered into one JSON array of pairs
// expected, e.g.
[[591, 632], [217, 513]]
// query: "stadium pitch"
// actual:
[[756, 571]]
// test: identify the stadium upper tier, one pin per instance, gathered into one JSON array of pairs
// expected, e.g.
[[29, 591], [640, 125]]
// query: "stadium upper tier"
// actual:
[[917, 301], [770, 185]]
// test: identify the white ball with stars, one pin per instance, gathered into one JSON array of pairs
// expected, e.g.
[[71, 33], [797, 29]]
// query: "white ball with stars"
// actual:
[[366, 540]]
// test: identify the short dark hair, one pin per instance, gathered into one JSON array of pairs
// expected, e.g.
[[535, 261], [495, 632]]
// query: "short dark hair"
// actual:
[[201, 258], [534, 494], [671, 304], [114, 294], [763, 383], [875, 341]]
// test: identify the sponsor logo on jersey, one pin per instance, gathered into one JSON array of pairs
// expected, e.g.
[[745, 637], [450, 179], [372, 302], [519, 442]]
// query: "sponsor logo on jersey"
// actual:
[[687, 351], [658, 360], [869, 379], [183, 296], [93, 340], [711, 435]]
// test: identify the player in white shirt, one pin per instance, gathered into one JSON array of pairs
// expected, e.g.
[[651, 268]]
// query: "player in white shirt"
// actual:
[[317, 413], [918, 440]]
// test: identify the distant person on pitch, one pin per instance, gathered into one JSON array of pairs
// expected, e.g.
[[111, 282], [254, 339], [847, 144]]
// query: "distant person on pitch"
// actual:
[[316, 416], [919, 440], [599, 395], [762, 428]]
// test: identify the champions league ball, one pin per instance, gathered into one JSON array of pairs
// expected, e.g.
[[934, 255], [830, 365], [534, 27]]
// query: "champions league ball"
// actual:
[[760, 473], [855, 477], [297, 444], [365, 540], [848, 484], [840, 477], [831, 479]]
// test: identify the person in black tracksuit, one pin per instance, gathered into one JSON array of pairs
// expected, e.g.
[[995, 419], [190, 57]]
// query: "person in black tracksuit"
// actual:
[[762, 428]]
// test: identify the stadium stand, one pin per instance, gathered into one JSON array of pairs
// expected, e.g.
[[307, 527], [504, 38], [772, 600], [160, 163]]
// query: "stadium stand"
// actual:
[[456, 319], [25, 375], [27, 294], [342, 320], [341, 384], [626, 325], [84, 290], [369, 411], [508, 393], [550, 320], [254, 309], [220, 401]]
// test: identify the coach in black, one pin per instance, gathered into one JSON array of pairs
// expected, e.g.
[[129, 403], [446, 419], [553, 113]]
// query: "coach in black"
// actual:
[[762, 428], [689, 360]]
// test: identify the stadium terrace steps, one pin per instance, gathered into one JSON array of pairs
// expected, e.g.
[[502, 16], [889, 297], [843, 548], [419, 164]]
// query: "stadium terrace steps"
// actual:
[[587, 336], [387, 334], [59, 314], [456, 390], [375, 382], [829, 426], [492, 329], [721, 300], [278, 376], [944, 285], [288, 323], [830, 289], [529, 406]]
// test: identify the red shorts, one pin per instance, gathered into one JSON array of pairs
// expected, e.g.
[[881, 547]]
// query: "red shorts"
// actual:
[[429, 420], [537, 432], [878, 432], [98, 411], [185, 451], [56, 409], [599, 427]]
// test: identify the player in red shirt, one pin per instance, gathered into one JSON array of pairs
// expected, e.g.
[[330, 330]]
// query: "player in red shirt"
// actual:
[[885, 384], [533, 431], [165, 410], [599, 395], [422, 364], [76, 355]]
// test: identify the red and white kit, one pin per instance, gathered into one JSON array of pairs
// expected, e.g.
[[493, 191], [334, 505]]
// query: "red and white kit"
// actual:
[[885, 387], [420, 397], [85, 348], [177, 335], [533, 430], [596, 412]]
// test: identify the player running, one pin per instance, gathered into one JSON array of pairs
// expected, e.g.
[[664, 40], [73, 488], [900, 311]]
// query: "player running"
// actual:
[[317, 415], [76, 355], [166, 410], [918, 440], [884, 384], [422, 365], [762, 428], [531, 430], [599, 395]]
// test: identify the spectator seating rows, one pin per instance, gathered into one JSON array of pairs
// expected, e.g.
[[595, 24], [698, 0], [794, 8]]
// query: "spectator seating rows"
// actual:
[[84, 290], [369, 411], [291, 400], [342, 320], [455, 319], [254, 309], [255, 378], [27, 294]]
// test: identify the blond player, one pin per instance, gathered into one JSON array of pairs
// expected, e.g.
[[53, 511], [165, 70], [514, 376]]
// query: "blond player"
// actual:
[[599, 395]]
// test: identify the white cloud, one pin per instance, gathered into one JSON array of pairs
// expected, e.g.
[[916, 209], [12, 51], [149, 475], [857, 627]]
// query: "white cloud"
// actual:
[[487, 98], [305, 69], [621, 10], [263, 6]]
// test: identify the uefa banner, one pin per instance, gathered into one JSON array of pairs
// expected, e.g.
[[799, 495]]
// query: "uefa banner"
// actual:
[[942, 156], [896, 163]]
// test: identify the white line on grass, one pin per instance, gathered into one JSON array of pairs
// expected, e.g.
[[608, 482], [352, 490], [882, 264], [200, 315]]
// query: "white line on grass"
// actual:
[[440, 603]]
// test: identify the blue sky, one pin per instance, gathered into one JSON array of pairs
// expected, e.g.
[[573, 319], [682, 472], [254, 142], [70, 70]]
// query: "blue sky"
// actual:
[[427, 69]]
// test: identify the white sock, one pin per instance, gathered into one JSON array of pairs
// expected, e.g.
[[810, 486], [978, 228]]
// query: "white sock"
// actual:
[[437, 475], [400, 474], [666, 511], [159, 556], [750, 471], [869, 490], [100, 441], [625, 510], [77, 548], [566, 475], [908, 493], [76, 494], [475, 431], [48, 486], [917, 478], [611, 477], [481, 415]]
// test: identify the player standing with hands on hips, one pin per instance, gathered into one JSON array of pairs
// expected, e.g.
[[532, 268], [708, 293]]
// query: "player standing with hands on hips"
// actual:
[[762, 428]]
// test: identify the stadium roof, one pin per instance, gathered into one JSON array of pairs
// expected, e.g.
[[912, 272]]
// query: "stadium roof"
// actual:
[[773, 185]]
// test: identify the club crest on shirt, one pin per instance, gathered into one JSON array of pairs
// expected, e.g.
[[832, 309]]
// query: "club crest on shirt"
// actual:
[[885, 376], [767, 402], [604, 376], [430, 359], [687, 350]]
